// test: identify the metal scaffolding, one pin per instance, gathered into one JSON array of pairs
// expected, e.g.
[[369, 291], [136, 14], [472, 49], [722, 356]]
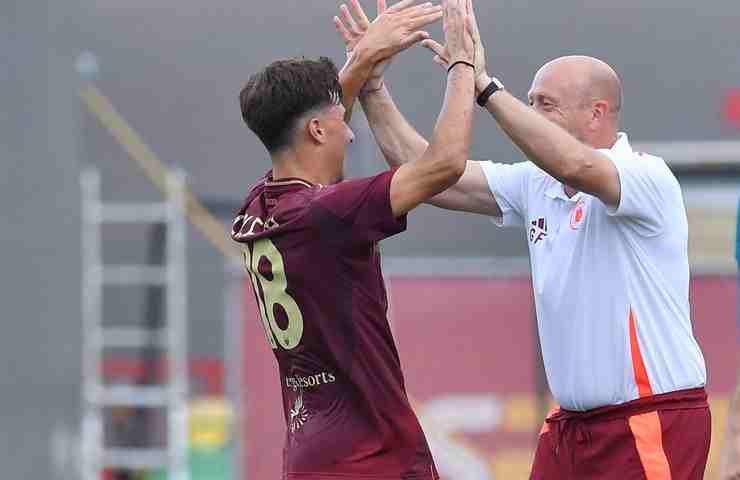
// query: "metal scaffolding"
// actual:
[[170, 338]]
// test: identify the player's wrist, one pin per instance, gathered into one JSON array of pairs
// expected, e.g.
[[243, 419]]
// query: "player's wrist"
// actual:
[[373, 85], [459, 64]]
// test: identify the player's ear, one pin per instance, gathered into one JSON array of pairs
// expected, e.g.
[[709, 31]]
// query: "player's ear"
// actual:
[[316, 131]]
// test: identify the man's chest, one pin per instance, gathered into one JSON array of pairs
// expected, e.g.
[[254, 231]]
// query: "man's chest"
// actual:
[[561, 231], [556, 221]]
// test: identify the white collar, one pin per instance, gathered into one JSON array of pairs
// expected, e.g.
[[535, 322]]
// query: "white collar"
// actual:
[[621, 146]]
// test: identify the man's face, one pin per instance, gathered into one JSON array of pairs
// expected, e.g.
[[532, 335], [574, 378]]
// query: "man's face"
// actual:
[[339, 136], [556, 97]]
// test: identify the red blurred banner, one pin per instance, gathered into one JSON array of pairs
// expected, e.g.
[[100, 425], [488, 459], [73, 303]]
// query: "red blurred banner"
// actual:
[[731, 107]]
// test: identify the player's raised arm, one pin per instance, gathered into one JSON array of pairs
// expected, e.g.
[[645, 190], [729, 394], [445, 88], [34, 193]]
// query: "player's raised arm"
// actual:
[[394, 30], [398, 140], [443, 162]]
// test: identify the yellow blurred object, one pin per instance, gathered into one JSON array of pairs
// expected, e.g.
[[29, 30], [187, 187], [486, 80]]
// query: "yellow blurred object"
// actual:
[[719, 405], [520, 413], [513, 464], [211, 422]]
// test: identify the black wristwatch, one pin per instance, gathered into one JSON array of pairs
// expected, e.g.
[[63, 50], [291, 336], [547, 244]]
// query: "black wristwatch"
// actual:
[[492, 88]]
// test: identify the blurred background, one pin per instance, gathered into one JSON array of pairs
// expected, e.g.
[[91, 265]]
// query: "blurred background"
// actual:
[[161, 364]]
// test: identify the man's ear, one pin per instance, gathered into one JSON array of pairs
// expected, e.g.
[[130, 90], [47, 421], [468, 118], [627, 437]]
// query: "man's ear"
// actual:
[[600, 110], [316, 131]]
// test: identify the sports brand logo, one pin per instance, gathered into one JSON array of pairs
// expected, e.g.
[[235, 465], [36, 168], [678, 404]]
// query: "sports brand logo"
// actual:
[[299, 414], [538, 230]]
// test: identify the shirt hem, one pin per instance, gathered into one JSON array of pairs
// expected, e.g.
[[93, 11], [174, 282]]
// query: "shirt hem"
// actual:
[[677, 400]]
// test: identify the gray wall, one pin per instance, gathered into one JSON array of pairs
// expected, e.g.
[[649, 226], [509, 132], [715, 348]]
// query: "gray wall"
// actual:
[[39, 237], [174, 69], [175, 72]]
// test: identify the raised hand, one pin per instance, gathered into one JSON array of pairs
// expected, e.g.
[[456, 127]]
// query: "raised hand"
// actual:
[[395, 29], [459, 41], [442, 56]]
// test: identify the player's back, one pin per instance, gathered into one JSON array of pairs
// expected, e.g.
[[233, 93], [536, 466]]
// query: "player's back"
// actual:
[[311, 253]]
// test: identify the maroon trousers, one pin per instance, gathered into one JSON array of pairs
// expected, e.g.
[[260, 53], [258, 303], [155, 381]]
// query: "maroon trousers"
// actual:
[[659, 437]]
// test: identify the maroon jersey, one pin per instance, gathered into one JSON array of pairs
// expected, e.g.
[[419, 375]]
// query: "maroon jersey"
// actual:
[[311, 252]]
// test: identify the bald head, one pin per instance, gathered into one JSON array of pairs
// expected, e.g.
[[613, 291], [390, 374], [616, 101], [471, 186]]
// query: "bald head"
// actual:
[[576, 85], [584, 79]]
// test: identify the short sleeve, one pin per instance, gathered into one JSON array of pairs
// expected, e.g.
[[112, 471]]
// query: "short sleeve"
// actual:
[[362, 207], [648, 190], [508, 184]]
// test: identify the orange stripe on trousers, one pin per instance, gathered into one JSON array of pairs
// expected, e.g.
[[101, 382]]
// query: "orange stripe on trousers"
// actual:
[[646, 427], [649, 442], [641, 376]]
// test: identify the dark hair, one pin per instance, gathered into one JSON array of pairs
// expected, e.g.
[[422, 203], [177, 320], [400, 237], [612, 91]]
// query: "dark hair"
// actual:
[[273, 99]]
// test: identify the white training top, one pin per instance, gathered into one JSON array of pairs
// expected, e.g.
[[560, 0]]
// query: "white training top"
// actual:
[[611, 285]]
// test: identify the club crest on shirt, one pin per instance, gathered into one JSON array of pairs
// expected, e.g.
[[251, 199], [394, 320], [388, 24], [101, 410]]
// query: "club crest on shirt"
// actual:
[[577, 215]]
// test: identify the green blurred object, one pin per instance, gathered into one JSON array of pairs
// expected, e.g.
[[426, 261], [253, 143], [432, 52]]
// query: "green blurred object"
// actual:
[[210, 452], [210, 464]]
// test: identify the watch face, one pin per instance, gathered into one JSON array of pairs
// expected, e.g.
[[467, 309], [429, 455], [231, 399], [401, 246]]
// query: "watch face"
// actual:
[[492, 88]]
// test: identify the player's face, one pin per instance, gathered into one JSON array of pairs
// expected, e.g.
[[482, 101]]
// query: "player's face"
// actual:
[[339, 136]]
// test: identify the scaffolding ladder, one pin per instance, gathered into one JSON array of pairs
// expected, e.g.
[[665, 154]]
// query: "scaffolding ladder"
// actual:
[[170, 338]]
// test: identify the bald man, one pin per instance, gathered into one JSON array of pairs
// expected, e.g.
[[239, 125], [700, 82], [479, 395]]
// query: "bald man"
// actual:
[[607, 234]]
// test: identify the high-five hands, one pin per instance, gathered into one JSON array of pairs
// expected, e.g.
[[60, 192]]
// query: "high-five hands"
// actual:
[[395, 29], [444, 56], [458, 27]]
